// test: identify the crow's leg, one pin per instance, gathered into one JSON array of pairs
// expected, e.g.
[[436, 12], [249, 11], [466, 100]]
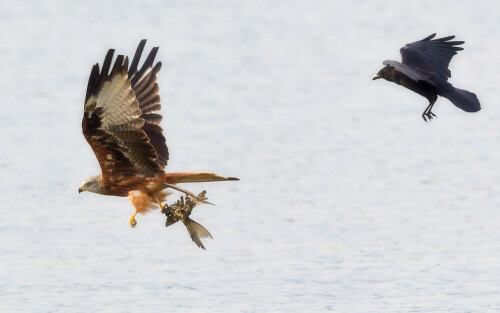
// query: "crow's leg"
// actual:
[[427, 113]]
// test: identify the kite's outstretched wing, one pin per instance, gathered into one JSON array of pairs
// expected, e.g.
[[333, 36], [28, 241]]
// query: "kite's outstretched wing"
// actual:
[[146, 92], [113, 123], [431, 57]]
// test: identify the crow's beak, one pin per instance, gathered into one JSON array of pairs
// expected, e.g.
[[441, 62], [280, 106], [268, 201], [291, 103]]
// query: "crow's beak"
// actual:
[[376, 77], [80, 190]]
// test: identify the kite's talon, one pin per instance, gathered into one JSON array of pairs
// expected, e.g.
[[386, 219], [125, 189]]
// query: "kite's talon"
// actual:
[[132, 221], [162, 206]]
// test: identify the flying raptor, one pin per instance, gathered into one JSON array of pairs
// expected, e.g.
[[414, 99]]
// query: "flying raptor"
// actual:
[[122, 125], [424, 70]]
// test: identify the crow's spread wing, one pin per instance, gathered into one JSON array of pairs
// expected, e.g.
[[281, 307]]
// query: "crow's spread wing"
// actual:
[[410, 72], [431, 57]]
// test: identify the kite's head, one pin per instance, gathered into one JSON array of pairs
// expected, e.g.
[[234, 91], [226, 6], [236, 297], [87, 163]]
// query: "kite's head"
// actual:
[[90, 184]]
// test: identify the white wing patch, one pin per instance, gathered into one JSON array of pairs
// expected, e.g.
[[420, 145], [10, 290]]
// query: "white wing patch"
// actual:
[[117, 99]]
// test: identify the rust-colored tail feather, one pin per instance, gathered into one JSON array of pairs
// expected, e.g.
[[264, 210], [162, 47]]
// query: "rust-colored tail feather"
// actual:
[[177, 178]]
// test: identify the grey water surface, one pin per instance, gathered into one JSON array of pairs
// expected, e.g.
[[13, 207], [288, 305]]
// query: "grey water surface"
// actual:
[[348, 200]]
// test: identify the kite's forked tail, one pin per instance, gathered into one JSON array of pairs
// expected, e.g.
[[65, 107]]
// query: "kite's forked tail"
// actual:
[[178, 178]]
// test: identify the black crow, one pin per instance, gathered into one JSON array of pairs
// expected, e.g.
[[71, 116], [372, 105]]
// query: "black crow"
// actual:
[[424, 70]]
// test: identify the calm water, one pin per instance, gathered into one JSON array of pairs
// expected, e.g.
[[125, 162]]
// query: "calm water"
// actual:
[[348, 201]]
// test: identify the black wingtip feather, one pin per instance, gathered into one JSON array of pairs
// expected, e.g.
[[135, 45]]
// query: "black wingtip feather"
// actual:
[[453, 43], [107, 61], [148, 63], [118, 64], [93, 81], [157, 67], [446, 38], [137, 58], [429, 37], [125, 63]]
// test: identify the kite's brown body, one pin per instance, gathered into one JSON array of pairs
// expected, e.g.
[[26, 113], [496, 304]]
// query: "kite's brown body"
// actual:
[[121, 124]]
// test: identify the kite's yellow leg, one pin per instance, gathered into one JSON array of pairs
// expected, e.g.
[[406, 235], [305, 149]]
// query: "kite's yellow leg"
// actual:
[[132, 220], [162, 206]]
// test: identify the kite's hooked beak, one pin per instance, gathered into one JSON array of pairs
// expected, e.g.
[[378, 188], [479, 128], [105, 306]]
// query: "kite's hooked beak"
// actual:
[[80, 190], [376, 77]]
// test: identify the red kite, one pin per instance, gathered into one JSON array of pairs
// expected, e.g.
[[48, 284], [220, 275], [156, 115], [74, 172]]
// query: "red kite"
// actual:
[[121, 124]]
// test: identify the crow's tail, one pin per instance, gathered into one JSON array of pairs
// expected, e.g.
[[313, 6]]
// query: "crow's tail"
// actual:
[[463, 99]]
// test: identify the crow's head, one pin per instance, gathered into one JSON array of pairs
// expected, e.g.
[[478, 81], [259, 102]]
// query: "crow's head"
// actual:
[[383, 73]]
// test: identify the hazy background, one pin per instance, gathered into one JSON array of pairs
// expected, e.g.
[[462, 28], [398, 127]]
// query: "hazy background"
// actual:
[[348, 200]]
